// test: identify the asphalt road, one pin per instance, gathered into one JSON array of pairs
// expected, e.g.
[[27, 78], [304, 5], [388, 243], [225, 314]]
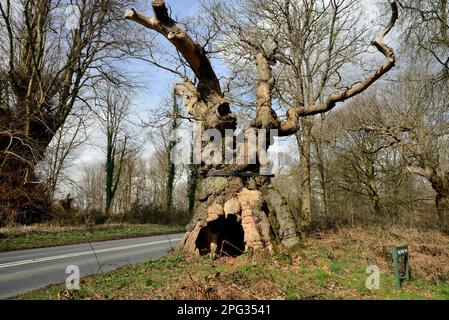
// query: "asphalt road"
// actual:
[[27, 270]]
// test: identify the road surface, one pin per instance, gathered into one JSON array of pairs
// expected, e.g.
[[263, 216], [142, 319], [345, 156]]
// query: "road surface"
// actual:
[[27, 270]]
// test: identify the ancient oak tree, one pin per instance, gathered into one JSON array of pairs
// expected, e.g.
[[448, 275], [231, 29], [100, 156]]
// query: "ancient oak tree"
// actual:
[[236, 212]]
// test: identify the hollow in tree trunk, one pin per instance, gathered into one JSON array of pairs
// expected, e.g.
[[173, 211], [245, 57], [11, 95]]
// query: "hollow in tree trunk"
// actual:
[[234, 214]]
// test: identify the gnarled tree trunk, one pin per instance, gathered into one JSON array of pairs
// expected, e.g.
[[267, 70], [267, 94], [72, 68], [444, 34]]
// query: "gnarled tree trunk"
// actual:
[[439, 180], [234, 214], [235, 211]]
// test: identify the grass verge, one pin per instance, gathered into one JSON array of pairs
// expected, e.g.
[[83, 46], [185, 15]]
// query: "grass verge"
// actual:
[[18, 238], [329, 266]]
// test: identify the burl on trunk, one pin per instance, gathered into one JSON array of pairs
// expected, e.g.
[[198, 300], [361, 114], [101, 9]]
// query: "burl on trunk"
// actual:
[[237, 212]]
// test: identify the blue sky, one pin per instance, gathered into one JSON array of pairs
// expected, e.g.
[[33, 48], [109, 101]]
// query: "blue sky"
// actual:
[[153, 79], [154, 86]]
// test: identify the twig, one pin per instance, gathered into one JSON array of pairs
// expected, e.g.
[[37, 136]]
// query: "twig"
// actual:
[[96, 257], [225, 241], [169, 241]]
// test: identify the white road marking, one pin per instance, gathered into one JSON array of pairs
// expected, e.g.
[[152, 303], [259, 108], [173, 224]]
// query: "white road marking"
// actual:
[[84, 253]]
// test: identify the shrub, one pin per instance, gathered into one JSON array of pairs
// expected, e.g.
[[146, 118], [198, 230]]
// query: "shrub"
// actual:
[[97, 217], [150, 213]]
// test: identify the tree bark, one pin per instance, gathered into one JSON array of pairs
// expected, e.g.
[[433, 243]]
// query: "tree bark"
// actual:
[[171, 170], [22, 199], [322, 175], [304, 141], [192, 185], [440, 183], [114, 168], [235, 214], [439, 179]]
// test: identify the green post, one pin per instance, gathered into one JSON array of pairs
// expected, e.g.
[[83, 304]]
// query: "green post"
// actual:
[[397, 276], [400, 261]]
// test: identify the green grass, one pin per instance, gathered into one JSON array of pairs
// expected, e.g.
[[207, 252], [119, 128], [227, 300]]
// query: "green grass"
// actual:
[[319, 270], [46, 236]]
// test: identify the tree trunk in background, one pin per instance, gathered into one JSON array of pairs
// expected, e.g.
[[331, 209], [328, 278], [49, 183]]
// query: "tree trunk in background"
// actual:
[[375, 198], [442, 205], [440, 183], [322, 175], [110, 168], [171, 171], [304, 143], [22, 202], [114, 168], [439, 179], [22, 198], [192, 184]]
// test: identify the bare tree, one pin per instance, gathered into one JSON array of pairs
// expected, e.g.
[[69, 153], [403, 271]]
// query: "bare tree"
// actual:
[[114, 109], [125, 194], [314, 42], [71, 136], [322, 38], [242, 210], [91, 193], [171, 172], [418, 122], [369, 166], [164, 125], [426, 25], [51, 58]]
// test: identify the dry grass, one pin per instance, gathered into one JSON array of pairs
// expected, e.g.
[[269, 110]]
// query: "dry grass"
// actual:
[[331, 265], [429, 250]]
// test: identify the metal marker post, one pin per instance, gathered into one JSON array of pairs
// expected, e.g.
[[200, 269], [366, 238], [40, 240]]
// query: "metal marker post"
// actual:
[[400, 262]]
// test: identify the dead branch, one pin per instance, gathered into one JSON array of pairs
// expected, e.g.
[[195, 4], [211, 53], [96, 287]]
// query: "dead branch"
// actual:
[[427, 173], [266, 117], [290, 126], [205, 101], [190, 50]]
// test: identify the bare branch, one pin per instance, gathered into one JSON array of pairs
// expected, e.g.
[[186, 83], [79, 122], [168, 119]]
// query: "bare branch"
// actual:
[[266, 118], [423, 172], [190, 50], [290, 126]]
